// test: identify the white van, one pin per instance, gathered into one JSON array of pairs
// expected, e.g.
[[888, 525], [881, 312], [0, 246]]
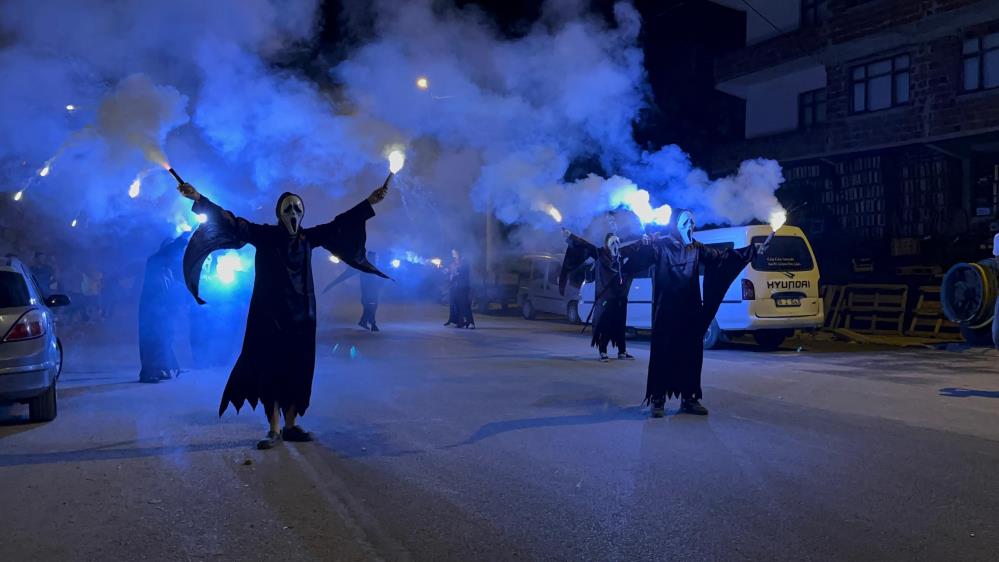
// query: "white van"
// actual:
[[773, 296], [538, 291]]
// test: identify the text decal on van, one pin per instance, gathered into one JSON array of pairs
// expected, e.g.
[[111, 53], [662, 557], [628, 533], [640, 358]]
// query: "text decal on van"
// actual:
[[781, 285]]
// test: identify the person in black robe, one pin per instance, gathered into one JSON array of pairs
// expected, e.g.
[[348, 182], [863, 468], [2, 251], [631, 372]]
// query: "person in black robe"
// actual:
[[460, 293], [276, 364], [680, 312], [613, 274], [371, 288], [158, 305]]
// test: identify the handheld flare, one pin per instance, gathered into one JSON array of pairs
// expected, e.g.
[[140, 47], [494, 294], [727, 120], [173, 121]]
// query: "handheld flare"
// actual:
[[176, 176]]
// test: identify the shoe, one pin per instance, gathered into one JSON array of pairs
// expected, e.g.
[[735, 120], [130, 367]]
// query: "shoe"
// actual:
[[603, 357], [296, 434], [166, 374], [658, 409], [448, 323], [470, 325], [269, 442], [693, 406], [625, 356], [374, 328], [363, 324]]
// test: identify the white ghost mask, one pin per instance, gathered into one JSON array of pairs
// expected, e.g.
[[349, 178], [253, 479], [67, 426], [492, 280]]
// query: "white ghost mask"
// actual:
[[685, 224], [613, 245], [291, 209]]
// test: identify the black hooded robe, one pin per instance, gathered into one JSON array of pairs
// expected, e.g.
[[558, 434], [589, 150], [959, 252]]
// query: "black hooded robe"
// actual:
[[278, 357], [680, 315], [158, 305], [371, 288], [612, 284], [460, 295]]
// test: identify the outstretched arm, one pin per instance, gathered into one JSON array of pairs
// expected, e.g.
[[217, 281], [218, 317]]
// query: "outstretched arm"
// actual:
[[345, 236], [222, 230], [221, 219]]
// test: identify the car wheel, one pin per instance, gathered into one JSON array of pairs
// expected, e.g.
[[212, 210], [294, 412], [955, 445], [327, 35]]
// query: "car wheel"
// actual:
[[572, 312], [59, 349], [769, 340], [528, 310], [43, 408], [712, 336]]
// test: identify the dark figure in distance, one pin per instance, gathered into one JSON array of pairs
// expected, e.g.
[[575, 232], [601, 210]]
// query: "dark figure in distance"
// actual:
[[159, 304], [371, 288], [459, 292], [680, 313], [613, 274], [278, 358], [44, 273]]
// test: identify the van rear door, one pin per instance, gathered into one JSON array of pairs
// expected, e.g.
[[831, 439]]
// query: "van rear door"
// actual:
[[786, 279]]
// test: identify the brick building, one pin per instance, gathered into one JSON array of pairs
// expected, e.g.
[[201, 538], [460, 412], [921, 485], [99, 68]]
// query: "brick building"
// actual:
[[885, 117]]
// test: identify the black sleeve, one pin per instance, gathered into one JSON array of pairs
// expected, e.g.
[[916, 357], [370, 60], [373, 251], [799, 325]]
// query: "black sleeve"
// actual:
[[578, 251], [345, 237], [222, 230]]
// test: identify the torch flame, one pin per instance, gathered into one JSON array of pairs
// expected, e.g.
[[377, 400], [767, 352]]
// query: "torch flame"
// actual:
[[777, 219], [396, 160], [422, 83], [18, 195], [396, 263], [133, 190], [44, 171], [436, 261], [73, 224], [554, 213], [334, 259]]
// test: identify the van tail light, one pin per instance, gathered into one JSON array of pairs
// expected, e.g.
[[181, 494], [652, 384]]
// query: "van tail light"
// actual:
[[748, 290], [30, 326]]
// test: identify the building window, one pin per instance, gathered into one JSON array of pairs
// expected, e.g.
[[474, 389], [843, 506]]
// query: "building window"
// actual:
[[981, 63], [880, 84], [813, 12], [811, 108]]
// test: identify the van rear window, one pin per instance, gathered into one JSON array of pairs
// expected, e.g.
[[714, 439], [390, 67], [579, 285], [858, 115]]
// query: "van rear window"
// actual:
[[786, 253]]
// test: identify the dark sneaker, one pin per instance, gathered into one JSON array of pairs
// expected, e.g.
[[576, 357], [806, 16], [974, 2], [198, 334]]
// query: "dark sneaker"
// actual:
[[604, 358], [374, 328], [692, 406], [296, 434], [625, 356], [269, 442], [658, 409], [363, 324]]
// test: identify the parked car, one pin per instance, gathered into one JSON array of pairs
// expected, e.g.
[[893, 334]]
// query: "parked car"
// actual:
[[773, 296], [538, 290], [30, 351]]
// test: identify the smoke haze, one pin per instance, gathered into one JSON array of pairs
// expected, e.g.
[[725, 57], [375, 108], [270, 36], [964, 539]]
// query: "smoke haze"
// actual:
[[222, 88]]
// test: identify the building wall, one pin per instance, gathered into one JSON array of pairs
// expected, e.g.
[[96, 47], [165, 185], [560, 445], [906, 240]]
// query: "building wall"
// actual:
[[897, 186], [938, 109]]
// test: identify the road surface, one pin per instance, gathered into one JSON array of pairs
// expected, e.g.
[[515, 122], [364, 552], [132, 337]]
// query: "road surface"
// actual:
[[511, 442]]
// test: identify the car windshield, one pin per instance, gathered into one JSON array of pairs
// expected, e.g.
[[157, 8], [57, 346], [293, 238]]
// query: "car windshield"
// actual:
[[13, 290], [786, 253]]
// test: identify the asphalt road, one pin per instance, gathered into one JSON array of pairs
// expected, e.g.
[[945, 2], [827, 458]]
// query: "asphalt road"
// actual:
[[511, 442]]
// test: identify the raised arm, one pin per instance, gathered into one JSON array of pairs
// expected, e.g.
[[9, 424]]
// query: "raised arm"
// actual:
[[223, 230], [346, 235], [221, 219]]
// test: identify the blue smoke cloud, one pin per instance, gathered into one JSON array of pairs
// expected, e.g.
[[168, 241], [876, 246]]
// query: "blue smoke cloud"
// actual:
[[495, 129]]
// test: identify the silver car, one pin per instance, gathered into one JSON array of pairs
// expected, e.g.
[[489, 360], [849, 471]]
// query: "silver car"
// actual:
[[30, 352]]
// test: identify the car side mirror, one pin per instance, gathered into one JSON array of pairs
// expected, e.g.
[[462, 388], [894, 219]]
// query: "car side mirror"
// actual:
[[57, 300]]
